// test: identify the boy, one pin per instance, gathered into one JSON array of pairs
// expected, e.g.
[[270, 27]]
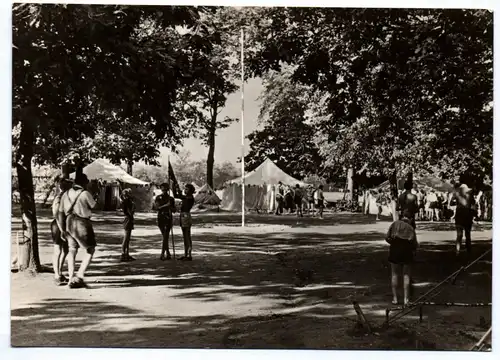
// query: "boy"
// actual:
[[403, 245]]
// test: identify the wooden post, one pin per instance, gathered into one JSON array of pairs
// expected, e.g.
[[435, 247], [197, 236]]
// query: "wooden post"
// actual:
[[361, 317]]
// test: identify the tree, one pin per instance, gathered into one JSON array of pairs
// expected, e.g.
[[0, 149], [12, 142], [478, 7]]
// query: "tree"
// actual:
[[76, 67], [286, 138], [206, 98], [407, 90]]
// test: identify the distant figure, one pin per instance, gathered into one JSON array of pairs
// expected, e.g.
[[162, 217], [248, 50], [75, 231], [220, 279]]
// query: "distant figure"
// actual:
[[128, 208], [421, 205], [310, 199], [298, 200], [379, 201], [408, 202], [403, 245], [432, 200], [280, 198], [165, 205], [289, 203], [464, 217], [186, 220], [57, 229], [320, 200]]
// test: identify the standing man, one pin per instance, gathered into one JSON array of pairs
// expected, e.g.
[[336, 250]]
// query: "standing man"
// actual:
[[60, 245], [165, 205], [320, 200], [379, 201], [408, 204], [76, 209], [310, 199], [128, 208], [464, 216], [280, 198], [298, 200]]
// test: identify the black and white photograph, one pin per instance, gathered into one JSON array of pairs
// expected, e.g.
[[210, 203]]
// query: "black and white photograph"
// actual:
[[251, 177]]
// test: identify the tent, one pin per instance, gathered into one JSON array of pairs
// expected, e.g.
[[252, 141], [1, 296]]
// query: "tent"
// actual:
[[260, 188], [268, 173], [206, 196], [107, 175]]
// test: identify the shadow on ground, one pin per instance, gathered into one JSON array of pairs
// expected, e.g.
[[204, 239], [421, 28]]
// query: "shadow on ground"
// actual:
[[312, 277]]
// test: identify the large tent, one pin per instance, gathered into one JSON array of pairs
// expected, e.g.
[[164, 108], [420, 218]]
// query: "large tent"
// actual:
[[268, 173], [260, 188], [108, 175]]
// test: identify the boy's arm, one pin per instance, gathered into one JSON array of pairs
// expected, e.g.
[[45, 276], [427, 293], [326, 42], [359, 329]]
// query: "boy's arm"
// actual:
[[388, 237]]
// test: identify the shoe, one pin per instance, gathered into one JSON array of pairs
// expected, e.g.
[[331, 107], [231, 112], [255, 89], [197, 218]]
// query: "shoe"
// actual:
[[130, 258], [124, 258], [61, 280], [77, 283]]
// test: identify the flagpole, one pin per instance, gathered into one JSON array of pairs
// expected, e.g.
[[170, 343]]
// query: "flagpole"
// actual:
[[170, 189], [242, 129]]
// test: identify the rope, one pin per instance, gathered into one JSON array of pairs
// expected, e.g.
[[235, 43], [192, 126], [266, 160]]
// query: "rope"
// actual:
[[427, 295]]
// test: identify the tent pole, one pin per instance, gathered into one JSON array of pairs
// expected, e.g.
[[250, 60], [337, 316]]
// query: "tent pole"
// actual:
[[242, 130]]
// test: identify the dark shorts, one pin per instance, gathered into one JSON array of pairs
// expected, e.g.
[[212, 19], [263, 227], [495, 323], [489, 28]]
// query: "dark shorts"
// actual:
[[164, 222], [401, 252], [320, 204], [421, 205], [298, 201], [56, 235], [434, 205], [464, 218], [81, 232], [186, 220], [128, 223]]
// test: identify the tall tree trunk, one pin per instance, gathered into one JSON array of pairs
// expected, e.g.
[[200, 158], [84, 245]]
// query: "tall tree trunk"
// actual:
[[393, 180], [130, 165], [28, 256], [211, 150]]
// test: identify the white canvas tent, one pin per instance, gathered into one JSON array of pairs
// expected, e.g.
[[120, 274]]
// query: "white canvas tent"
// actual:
[[102, 169], [109, 198], [268, 173], [260, 184]]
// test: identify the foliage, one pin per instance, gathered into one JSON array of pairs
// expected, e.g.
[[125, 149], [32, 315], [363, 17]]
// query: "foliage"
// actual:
[[203, 101], [77, 74], [286, 136], [405, 89]]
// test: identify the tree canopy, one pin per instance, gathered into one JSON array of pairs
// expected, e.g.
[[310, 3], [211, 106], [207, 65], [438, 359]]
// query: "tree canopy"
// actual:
[[404, 89]]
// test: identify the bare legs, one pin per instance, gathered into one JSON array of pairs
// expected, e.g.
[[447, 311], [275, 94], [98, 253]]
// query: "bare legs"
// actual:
[[460, 233], [87, 258], [58, 258], [165, 232], [188, 243], [395, 271], [126, 245]]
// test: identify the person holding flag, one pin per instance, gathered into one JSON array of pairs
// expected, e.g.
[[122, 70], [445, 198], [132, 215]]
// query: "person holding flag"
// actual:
[[165, 205]]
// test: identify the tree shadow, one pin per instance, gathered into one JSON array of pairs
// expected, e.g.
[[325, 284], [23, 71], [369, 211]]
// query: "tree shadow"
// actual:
[[307, 278]]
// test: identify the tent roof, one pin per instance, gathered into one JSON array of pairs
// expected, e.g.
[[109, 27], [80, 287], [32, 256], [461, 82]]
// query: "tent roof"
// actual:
[[270, 174], [103, 169], [206, 195]]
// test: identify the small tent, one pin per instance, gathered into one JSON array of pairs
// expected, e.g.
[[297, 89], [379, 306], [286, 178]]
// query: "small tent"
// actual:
[[108, 175], [260, 188], [206, 196]]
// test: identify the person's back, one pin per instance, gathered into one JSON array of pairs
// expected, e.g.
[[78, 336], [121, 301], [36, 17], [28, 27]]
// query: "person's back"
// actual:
[[82, 199], [408, 201]]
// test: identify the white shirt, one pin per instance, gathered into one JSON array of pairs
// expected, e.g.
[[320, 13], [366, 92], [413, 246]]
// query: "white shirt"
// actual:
[[83, 206], [432, 197], [318, 195]]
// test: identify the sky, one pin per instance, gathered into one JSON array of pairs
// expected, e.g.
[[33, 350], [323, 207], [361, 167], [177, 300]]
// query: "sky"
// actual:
[[228, 141]]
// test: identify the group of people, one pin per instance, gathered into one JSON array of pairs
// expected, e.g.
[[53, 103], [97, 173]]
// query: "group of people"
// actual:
[[297, 199], [403, 239], [72, 228]]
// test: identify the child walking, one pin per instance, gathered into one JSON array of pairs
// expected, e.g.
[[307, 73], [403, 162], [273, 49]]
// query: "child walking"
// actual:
[[57, 229]]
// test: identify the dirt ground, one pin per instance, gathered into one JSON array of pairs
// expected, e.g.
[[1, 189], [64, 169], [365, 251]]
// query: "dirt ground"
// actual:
[[274, 284]]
